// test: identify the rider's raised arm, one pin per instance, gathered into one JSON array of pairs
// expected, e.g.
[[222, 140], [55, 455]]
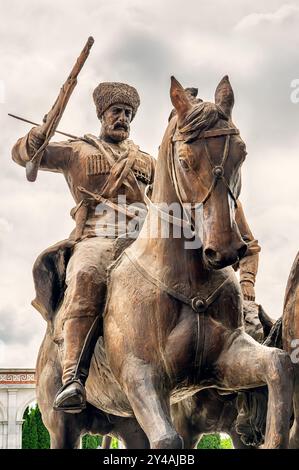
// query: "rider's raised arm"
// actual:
[[249, 264], [55, 157]]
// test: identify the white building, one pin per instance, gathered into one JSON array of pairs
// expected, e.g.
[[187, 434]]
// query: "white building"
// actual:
[[17, 391]]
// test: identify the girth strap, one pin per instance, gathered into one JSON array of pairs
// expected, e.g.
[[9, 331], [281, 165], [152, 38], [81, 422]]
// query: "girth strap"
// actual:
[[197, 303]]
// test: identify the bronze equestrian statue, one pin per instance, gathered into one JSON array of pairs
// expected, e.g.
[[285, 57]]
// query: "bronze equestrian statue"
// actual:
[[94, 168], [180, 327]]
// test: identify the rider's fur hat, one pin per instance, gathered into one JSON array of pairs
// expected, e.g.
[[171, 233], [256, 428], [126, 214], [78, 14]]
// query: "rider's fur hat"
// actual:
[[108, 93]]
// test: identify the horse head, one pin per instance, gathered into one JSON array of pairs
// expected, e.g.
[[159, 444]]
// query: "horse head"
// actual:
[[207, 155]]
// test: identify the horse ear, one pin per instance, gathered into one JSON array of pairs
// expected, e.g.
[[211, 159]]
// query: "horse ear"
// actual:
[[179, 99], [224, 96]]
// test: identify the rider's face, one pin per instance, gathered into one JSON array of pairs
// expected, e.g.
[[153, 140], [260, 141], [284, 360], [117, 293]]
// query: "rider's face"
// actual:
[[116, 122]]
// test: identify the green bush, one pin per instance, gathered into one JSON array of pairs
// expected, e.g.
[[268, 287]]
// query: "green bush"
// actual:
[[226, 443], [214, 441], [91, 442], [210, 441], [114, 443]]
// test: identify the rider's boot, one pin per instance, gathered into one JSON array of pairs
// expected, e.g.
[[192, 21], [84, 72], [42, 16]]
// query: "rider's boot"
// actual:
[[80, 336]]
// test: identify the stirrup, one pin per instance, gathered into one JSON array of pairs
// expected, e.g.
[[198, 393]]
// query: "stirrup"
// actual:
[[64, 401]]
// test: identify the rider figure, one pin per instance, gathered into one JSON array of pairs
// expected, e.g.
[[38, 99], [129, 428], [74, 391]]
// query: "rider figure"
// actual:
[[109, 165]]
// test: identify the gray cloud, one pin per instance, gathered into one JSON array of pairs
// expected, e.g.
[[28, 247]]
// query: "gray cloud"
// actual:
[[143, 43], [21, 331]]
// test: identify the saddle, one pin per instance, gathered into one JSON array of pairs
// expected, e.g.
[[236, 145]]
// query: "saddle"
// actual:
[[49, 271], [49, 277]]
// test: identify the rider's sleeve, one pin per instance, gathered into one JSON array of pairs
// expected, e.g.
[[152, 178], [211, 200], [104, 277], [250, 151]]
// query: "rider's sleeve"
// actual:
[[249, 264], [55, 158]]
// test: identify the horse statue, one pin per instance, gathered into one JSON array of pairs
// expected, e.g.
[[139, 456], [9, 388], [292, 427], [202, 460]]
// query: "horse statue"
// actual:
[[173, 317], [290, 339], [173, 324]]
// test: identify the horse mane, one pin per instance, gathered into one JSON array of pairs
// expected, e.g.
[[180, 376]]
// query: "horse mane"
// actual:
[[202, 117]]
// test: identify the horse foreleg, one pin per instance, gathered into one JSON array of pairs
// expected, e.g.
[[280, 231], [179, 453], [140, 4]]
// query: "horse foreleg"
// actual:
[[130, 433], [244, 363], [184, 414], [149, 399], [65, 434], [106, 442]]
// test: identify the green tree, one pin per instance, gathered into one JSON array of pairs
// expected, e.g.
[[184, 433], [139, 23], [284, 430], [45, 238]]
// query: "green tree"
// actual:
[[29, 430], [210, 441], [43, 436], [34, 433], [26, 430]]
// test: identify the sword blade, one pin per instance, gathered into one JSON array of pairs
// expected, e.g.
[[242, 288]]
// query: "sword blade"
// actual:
[[36, 124]]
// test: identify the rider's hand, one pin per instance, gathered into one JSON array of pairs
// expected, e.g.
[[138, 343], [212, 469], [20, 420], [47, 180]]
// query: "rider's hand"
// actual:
[[36, 139], [248, 291]]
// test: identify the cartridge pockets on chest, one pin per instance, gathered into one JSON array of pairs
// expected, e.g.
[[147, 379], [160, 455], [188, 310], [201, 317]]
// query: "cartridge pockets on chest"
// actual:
[[97, 164]]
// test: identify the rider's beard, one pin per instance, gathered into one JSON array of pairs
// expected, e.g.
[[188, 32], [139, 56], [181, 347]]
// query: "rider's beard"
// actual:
[[116, 132]]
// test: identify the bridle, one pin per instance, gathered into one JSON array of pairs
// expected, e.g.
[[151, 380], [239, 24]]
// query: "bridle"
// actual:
[[217, 172]]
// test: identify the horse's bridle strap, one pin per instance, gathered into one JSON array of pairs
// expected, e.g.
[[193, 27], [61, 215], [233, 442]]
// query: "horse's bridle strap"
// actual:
[[197, 303], [217, 171], [219, 132], [206, 134]]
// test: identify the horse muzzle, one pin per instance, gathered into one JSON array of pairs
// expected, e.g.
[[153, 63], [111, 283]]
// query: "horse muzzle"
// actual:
[[218, 259]]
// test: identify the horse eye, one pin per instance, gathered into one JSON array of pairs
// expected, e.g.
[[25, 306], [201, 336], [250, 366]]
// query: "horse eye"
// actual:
[[184, 164]]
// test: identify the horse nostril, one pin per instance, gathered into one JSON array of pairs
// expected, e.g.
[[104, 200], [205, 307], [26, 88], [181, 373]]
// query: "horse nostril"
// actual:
[[210, 254], [242, 251]]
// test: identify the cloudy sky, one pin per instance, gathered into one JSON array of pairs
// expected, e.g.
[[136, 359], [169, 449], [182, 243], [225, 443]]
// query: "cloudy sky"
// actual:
[[255, 42]]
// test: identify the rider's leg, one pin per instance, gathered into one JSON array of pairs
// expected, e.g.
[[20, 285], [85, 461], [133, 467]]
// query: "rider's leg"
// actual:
[[77, 332], [83, 302]]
